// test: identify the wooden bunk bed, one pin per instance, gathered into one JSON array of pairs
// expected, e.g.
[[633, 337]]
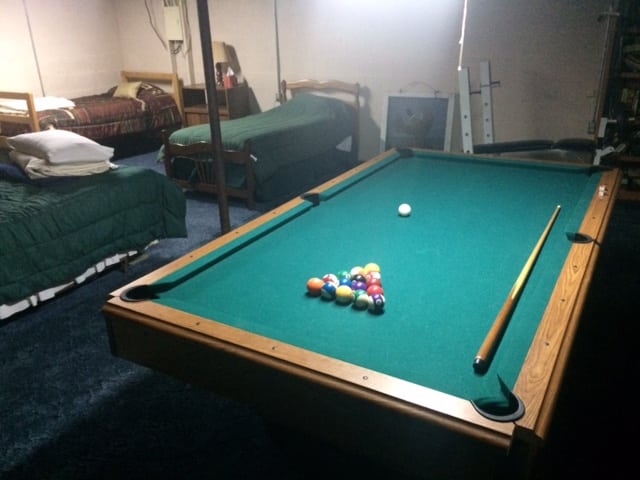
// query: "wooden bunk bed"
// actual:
[[276, 154]]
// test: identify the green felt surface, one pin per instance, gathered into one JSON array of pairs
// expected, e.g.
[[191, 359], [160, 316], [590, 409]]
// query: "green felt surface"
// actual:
[[446, 270]]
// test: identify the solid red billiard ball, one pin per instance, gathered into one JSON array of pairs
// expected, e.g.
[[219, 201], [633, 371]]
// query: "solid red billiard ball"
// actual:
[[371, 275], [373, 281], [373, 289]]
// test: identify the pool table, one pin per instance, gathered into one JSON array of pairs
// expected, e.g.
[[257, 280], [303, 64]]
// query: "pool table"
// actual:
[[397, 383]]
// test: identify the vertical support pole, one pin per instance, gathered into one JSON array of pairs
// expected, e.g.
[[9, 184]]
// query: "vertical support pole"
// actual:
[[465, 110], [214, 116], [487, 102]]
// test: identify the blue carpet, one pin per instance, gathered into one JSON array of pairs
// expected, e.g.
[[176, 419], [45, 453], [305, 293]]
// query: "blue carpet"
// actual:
[[70, 410]]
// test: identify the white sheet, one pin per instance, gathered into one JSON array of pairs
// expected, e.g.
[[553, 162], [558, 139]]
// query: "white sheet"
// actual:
[[8, 310], [40, 104]]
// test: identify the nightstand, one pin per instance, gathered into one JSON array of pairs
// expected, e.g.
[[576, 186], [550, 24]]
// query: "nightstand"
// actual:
[[232, 103]]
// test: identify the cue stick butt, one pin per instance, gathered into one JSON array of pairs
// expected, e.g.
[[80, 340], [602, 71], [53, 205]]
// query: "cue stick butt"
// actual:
[[483, 357]]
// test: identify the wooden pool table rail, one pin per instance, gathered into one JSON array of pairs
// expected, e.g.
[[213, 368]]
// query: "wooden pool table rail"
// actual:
[[248, 367]]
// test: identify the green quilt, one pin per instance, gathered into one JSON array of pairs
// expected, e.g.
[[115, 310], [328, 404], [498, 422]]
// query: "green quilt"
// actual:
[[301, 129], [50, 234]]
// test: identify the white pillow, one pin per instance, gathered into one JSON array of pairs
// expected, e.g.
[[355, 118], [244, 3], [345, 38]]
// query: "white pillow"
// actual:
[[61, 146]]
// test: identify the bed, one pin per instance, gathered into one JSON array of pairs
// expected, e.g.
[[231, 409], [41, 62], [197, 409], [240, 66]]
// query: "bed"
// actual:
[[278, 153], [139, 105], [55, 232]]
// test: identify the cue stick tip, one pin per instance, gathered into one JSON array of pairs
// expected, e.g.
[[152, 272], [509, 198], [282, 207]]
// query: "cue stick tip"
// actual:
[[480, 365]]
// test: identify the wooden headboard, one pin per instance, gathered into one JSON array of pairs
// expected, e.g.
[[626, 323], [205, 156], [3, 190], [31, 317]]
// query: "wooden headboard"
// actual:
[[30, 117], [351, 90], [159, 79]]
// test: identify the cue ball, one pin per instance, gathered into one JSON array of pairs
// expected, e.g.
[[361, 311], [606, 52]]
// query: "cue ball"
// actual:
[[404, 210]]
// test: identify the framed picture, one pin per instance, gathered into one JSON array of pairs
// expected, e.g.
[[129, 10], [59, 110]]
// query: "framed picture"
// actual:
[[417, 120]]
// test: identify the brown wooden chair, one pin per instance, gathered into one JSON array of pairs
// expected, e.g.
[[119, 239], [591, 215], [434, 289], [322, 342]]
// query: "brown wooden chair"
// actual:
[[202, 176]]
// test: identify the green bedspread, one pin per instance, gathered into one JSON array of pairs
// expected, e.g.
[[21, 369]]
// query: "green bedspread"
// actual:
[[304, 127], [51, 234]]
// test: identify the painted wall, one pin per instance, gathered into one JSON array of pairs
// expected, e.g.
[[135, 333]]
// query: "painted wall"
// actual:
[[545, 54], [59, 47]]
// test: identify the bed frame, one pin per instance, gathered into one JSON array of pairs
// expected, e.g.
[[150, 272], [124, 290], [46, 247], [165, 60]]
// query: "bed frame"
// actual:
[[30, 118], [201, 154], [205, 168]]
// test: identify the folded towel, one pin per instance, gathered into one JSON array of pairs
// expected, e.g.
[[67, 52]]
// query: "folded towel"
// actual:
[[36, 167]]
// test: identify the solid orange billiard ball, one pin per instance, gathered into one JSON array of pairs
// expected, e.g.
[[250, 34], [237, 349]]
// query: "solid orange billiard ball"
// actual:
[[314, 286]]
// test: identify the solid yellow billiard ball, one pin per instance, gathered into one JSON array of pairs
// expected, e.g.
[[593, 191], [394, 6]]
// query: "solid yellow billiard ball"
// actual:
[[371, 267], [344, 294]]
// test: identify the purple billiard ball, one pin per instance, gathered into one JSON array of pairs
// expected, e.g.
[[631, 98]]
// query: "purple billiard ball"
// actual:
[[358, 286], [377, 303]]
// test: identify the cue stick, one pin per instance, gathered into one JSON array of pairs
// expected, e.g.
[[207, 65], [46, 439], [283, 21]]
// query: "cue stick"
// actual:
[[481, 362]]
